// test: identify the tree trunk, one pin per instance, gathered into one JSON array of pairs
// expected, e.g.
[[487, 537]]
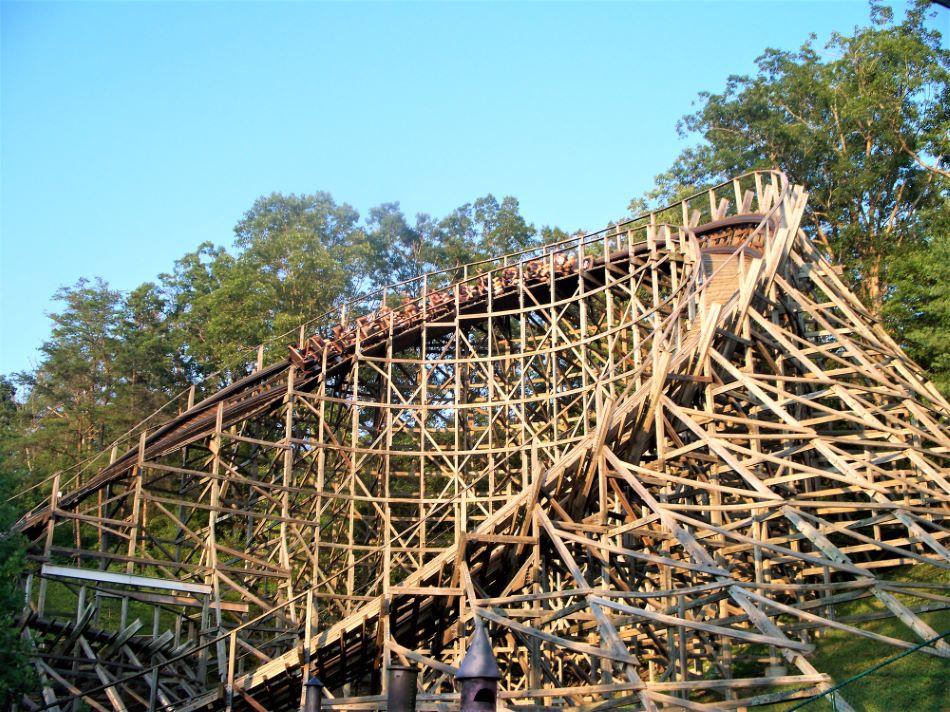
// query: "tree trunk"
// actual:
[[873, 287]]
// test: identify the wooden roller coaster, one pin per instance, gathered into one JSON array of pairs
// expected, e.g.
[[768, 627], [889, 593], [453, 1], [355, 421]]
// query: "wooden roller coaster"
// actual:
[[656, 462]]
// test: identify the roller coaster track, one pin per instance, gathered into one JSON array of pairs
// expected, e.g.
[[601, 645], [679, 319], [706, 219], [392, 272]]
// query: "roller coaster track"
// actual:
[[650, 460]]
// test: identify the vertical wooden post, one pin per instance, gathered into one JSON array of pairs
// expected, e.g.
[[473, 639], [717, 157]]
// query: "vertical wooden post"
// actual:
[[286, 482], [229, 680]]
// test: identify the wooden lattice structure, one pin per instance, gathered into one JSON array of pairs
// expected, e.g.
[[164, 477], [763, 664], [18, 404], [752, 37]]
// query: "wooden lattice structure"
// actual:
[[655, 461]]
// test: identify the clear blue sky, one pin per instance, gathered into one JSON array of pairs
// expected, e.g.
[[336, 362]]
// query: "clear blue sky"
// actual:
[[131, 132]]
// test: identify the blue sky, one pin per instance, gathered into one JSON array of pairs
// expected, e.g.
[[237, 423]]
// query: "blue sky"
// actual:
[[131, 132]]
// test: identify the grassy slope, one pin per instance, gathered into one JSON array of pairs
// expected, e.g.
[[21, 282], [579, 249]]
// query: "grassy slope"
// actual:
[[918, 681]]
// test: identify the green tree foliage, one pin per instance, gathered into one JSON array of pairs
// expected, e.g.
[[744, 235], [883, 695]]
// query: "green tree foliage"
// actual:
[[400, 251], [918, 311], [298, 256], [110, 361], [16, 674], [294, 258], [188, 291], [113, 358], [148, 363], [483, 229], [77, 379], [863, 124]]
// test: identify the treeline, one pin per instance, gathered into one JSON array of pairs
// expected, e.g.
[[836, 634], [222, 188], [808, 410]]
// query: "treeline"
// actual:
[[113, 358]]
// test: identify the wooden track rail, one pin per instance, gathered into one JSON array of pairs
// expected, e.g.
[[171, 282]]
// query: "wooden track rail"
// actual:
[[657, 462]]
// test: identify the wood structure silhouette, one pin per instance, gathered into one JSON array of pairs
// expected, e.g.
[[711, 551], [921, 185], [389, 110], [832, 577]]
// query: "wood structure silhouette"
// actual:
[[654, 461]]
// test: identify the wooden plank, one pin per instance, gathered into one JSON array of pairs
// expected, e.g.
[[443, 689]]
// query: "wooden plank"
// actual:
[[114, 577]]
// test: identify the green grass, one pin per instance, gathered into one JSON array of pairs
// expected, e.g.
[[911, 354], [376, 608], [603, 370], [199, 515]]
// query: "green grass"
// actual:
[[918, 681]]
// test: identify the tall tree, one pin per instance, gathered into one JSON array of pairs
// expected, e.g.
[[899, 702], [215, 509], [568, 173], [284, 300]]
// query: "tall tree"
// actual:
[[299, 256], [71, 390], [188, 291], [149, 366], [110, 361], [918, 309], [483, 229], [400, 251], [295, 257]]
